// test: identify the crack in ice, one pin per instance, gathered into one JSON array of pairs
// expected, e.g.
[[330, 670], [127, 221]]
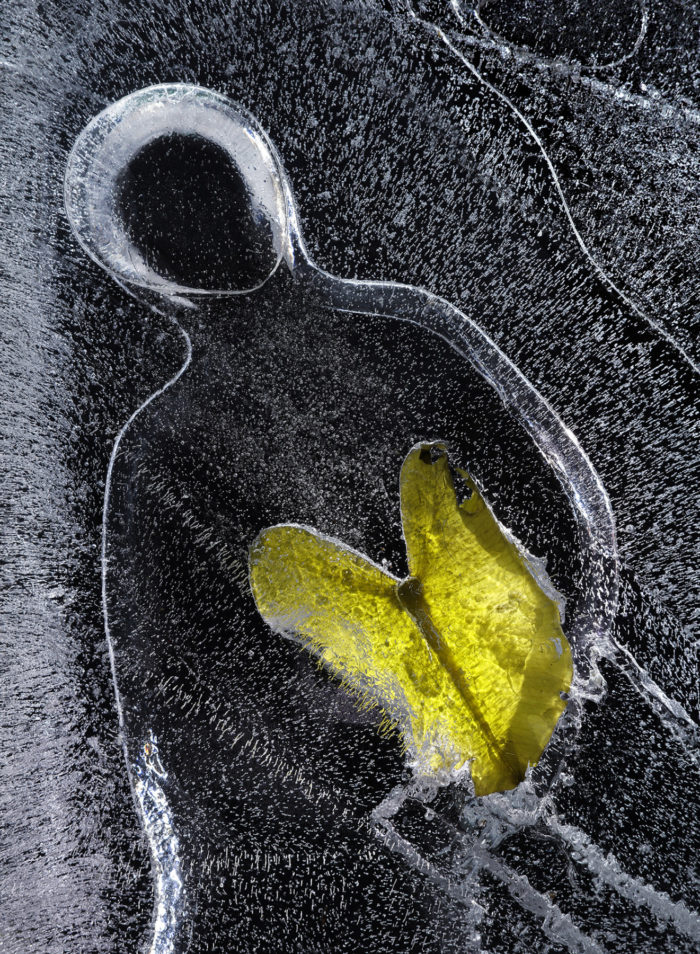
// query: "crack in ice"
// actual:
[[659, 329]]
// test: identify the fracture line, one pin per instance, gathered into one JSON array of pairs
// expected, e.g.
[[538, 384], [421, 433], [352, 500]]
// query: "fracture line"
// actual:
[[496, 38], [105, 510], [557, 185], [166, 910], [608, 869], [556, 925], [672, 714]]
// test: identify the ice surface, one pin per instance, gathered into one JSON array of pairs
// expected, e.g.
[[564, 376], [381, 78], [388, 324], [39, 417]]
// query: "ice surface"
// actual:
[[426, 149]]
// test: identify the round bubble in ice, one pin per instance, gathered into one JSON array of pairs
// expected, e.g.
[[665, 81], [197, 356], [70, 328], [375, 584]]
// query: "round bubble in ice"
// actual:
[[174, 189]]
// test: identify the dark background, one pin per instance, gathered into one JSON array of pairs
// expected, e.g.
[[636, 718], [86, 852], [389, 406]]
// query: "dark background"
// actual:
[[405, 166]]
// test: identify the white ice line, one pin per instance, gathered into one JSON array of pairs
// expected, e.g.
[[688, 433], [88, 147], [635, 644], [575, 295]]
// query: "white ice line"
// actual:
[[555, 178], [674, 707], [680, 725], [105, 507], [556, 925], [165, 850], [607, 868], [525, 57], [164, 895], [524, 51], [604, 867]]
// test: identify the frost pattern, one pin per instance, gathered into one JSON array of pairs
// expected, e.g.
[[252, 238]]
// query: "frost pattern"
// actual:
[[408, 165]]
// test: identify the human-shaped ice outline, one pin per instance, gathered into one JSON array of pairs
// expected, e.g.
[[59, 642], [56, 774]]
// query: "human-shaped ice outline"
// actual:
[[103, 150]]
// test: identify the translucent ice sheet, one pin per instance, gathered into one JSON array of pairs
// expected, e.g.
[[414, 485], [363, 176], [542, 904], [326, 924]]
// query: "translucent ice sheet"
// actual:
[[538, 186]]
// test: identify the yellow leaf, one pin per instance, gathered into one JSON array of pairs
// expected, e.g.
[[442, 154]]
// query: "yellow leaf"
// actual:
[[466, 655]]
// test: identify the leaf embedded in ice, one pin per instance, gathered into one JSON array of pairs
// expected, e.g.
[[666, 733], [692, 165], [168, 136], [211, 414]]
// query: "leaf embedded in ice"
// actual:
[[466, 654]]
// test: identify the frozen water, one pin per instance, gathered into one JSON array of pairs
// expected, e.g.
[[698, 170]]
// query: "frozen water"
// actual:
[[548, 198]]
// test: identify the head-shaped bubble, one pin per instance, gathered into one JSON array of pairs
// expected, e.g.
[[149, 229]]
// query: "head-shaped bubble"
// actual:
[[176, 190]]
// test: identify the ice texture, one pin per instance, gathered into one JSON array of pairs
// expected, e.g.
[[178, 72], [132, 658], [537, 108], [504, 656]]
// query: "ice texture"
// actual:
[[496, 162]]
